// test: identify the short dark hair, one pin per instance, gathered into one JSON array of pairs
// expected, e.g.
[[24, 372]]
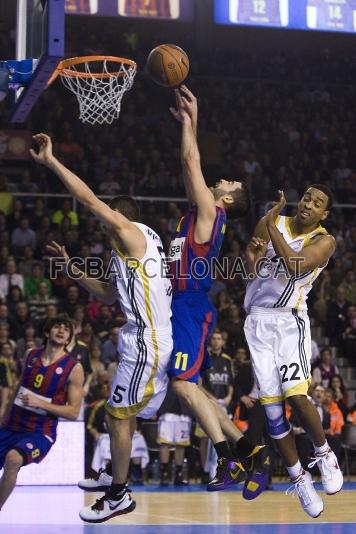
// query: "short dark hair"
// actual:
[[127, 206], [241, 203], [61, 318], [326, 190]]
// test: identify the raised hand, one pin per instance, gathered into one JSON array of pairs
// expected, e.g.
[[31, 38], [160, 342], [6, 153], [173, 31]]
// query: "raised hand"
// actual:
[[179, 112], [57, 251], [273, 213], [190, 103], [256, 249], [44, 154]]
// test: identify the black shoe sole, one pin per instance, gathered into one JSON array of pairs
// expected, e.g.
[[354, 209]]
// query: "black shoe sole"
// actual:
[[114, 514], [96, 489]]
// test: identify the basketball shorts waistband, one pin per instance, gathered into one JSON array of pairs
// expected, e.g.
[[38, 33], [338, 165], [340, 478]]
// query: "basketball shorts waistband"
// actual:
[[256, 310]]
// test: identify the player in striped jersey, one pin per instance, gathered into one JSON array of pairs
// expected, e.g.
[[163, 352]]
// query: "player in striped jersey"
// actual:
[[285, 256], [51, 386], [197, 242], [140, 284]]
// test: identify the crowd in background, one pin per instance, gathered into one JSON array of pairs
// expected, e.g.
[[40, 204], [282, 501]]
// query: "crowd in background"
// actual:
[[278, 123]]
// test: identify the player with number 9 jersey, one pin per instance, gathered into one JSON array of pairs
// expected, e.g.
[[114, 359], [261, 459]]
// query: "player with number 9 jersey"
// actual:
[[51, 386]]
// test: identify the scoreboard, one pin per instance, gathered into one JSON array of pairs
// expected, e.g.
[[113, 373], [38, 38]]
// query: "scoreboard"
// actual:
[[323, 15], [148, 9]]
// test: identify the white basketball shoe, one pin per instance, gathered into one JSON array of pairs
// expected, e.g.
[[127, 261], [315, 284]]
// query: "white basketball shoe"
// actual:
[[101, 482], [331, 475], [311, 502], [108, 507]]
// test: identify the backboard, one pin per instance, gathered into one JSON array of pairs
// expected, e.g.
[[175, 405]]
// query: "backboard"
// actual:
[[40, 37]]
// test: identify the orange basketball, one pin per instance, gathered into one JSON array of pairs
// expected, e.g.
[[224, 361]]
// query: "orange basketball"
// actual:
[[168, 65]]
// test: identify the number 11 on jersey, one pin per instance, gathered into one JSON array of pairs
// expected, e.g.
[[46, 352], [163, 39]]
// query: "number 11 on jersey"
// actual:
[[181, 361]]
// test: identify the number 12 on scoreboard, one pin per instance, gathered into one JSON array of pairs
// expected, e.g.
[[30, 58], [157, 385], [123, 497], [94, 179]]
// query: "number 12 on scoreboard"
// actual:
[[259, 12]]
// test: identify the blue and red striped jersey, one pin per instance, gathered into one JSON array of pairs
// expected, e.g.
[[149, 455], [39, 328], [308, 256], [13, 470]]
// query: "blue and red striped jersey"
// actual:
[[191, 264], [49, 382]]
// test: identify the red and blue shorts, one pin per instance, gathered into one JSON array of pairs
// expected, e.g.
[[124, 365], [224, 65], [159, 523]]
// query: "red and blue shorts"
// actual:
[[32, 446], [193, 319]]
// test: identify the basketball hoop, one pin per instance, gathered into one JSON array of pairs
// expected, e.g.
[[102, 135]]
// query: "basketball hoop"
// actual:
[[99, 83]]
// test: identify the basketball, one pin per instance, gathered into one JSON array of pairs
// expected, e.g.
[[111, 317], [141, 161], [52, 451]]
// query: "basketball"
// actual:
[[168, 65]]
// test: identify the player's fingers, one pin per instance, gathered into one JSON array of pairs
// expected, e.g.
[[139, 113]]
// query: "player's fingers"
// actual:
[[186, 102], [39, 138], [33, 154], [186, 91], [281, 196], [175, 113], [179, 99], [176, 94]]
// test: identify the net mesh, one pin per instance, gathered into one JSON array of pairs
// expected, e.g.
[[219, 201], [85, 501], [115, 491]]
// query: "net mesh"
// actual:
[[99, 87]]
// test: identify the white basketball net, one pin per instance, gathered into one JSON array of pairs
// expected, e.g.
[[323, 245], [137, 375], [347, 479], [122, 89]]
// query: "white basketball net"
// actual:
[[99, 97]]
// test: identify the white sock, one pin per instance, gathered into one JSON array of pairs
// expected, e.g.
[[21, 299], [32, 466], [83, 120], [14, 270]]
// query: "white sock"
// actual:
[[323, 449], [295, 470]]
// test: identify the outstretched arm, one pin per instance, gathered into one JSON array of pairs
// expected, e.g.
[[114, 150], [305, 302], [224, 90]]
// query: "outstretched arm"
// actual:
[[197, 190], [192, 110], [103, 291], [129, 235]]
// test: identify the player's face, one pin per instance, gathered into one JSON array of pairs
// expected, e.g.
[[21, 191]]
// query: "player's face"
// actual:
[[312, 207], [226, 187], [59, 334]]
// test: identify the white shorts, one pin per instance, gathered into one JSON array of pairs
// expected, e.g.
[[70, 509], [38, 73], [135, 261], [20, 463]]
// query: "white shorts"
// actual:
[[280, 346], [140, 382], [174, 429]]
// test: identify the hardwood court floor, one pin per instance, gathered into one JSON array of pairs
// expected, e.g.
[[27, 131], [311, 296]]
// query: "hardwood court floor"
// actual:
[[54, 510]]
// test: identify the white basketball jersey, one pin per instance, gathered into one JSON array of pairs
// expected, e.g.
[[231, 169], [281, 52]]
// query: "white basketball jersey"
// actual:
[[274, 287], [145, 291]]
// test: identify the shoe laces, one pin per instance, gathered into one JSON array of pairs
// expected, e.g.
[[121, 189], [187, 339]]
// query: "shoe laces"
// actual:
[[325, 467], [98, 506], [301, 489], [98, 474]]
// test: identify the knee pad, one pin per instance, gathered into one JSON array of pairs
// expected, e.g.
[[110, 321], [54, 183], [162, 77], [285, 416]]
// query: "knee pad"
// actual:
[[278, 424]]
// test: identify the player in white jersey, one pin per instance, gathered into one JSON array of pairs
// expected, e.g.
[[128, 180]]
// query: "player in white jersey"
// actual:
[[284, 257], [140, 284]]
